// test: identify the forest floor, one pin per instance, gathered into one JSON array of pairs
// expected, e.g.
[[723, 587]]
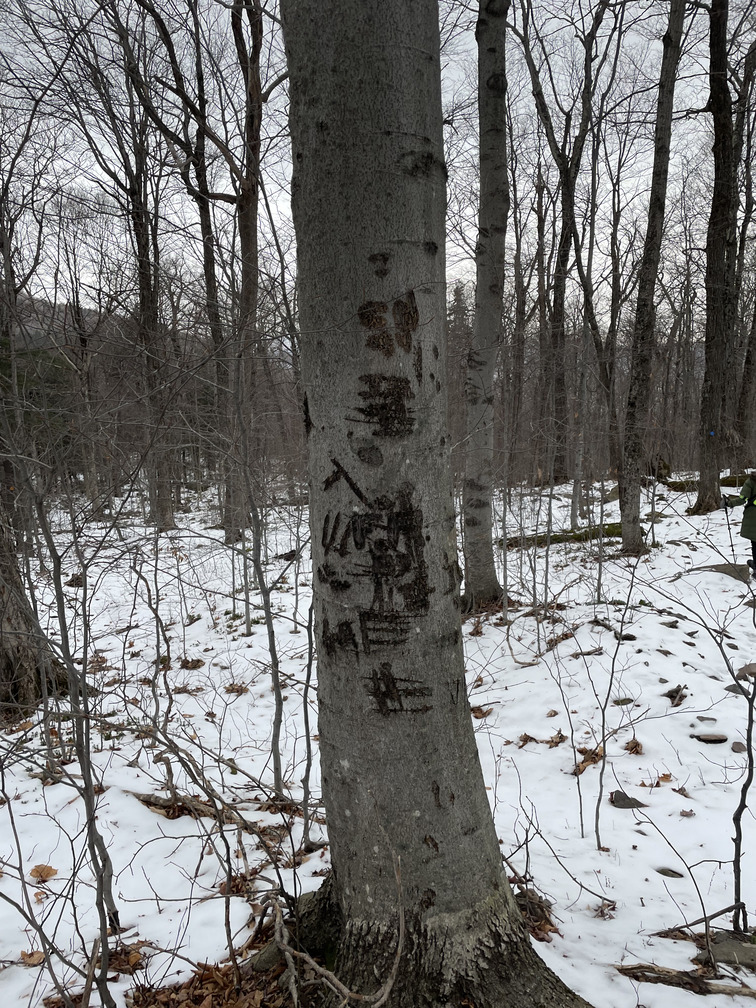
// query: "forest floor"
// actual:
[[611, 725]]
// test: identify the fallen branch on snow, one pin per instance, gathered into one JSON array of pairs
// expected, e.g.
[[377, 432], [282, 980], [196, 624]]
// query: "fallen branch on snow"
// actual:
[[691, 981]]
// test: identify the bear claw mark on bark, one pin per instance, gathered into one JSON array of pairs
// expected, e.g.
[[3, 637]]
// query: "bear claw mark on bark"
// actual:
[[380, 262], [384, 543], [406, 320], [389, 693], [421, 164], [419, 364], [428, 900], [339, 472], [455, 690], [379, 630], [381, 335], [341, 639], [386, 398]]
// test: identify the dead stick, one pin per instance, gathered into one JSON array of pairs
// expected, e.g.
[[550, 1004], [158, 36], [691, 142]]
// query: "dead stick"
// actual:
[[701, 920]]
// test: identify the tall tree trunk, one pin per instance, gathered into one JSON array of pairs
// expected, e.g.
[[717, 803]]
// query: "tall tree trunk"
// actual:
[[745, 126], [560, 419], [644, 336], [401, 777], [482, 586], [746, 420], [245, 437], [544, 394], [157, 456], [516, 384], [28, 669], [720, 272]]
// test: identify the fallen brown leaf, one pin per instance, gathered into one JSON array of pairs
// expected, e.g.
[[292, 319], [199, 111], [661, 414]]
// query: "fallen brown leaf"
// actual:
[[556, 739], [590, 758], [43, 872], [33, 958]]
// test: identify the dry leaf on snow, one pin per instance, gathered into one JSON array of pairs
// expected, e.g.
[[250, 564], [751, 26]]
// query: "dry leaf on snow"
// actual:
[[43, 872], [590, 757], [33, 958], [480, 712], [192, 663]]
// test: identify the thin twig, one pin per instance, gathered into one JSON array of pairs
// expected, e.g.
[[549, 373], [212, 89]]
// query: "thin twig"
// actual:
[[700, 920]]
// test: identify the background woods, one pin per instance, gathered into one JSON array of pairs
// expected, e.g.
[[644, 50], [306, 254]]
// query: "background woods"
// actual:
[[471, 289], [148, 259]]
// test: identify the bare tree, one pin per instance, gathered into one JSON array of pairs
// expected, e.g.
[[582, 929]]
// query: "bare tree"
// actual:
[[482, 586], [716, 434], [567, 146], [198, 138], [418, 878], [644, 335]]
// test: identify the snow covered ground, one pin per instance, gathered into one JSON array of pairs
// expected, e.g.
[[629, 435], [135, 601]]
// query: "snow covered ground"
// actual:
[[621, 668]]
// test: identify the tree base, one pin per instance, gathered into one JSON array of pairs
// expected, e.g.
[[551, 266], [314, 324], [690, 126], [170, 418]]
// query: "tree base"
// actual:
[[706, 503], [480, 957], [635, 548], [21, 683], [482, 601]]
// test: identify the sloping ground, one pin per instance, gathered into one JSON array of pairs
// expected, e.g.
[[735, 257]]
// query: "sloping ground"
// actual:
[[611, 722]]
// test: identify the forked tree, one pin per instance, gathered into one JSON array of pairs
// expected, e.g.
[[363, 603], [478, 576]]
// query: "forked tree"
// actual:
[[426, 910]]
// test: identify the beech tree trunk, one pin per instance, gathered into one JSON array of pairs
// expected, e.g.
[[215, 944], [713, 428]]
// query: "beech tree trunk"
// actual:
[[482, 586], [401, 777], [28, 669], [720, 272], [644, 336]]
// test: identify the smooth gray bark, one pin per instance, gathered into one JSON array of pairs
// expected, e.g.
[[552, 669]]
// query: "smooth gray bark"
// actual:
[[482, 586], [644, 335], [720, 271], [401, 777]]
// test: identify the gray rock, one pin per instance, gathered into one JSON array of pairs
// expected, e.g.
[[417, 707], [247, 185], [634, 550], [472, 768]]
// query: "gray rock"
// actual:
[[737, 689], [621, 800], [268, 957], [729, 949]]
